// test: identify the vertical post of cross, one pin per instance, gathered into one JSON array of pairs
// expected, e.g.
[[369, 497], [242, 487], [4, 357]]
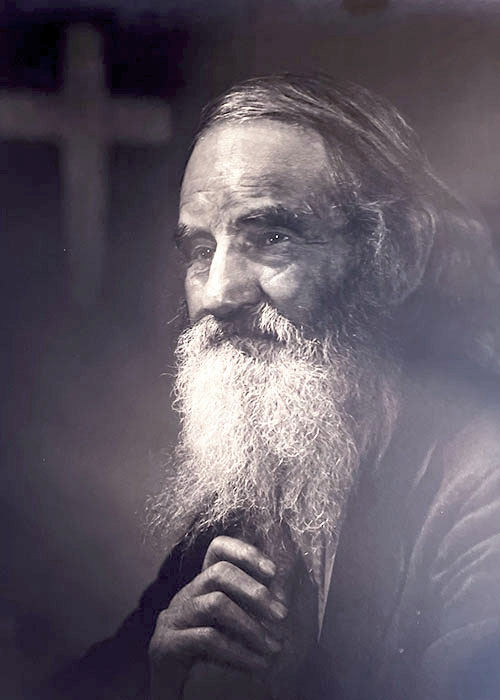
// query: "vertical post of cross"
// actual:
[[83, 161]]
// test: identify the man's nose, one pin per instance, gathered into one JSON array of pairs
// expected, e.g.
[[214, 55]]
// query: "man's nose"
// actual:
[[231, 285]]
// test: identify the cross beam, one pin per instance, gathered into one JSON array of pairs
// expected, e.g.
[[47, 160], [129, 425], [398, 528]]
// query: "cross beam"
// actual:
[[83, 119]]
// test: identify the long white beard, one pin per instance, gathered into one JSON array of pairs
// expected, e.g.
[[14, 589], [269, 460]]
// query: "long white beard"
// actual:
[[274, 428]]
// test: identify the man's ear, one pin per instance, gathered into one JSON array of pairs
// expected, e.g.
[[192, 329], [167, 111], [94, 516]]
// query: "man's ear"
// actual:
[[399, 246], [462, 282]]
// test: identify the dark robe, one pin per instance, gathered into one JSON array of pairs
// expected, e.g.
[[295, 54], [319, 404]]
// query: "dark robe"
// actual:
[[413, 611]]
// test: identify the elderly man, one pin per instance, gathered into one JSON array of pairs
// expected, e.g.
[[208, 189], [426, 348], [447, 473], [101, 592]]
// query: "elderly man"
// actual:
[[333, 506]]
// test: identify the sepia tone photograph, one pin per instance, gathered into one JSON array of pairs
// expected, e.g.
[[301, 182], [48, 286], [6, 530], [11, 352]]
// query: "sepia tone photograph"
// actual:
[[251, 349]]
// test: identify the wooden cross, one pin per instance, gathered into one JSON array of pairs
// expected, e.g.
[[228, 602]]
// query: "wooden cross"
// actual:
[[83, 119]]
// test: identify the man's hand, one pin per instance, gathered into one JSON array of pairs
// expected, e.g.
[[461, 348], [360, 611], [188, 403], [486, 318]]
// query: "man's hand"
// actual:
[[226, 615]]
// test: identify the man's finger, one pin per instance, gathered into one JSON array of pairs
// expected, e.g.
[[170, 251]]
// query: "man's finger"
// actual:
[[209, 644], [244, 555], [217, 610], [245, 591]]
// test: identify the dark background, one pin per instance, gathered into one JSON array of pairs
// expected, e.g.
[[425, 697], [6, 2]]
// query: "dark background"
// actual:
[[86, 401]]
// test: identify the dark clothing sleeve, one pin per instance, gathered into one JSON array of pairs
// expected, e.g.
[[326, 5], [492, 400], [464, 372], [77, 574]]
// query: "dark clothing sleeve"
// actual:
[[117, 668], [463, 660], [444, 641]]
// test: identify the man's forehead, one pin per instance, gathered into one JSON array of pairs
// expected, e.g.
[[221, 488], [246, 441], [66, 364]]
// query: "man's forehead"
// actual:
[[254, 159]]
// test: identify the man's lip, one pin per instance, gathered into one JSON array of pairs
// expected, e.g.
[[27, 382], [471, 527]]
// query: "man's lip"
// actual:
[[253, 346], [238, 338]]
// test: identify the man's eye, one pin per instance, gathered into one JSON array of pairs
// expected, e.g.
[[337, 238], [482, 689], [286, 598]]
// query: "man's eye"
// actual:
[[201, 253], [273, 237], [196, 253]]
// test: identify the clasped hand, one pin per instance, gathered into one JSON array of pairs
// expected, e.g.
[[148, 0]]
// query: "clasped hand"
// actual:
[[226, 615]]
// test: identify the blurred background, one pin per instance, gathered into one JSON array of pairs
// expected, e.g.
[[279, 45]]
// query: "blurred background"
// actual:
[[98, 103]]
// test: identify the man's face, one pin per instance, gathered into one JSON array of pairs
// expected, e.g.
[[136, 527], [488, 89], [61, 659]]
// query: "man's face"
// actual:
[[257, 223]]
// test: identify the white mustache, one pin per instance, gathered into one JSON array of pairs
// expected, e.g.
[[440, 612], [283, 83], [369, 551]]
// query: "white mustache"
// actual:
[[265, 323]]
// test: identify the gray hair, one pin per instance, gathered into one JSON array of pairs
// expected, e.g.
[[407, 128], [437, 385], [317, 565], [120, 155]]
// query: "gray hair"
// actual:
[[422, 257]]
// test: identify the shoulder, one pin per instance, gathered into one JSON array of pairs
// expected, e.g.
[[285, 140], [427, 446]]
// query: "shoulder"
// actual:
[[464, 462], [451, 427], [472, 453], [453, 422]]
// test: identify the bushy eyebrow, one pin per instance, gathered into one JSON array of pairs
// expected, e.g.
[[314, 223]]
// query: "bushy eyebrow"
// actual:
[[277, 215], [183, 231]]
